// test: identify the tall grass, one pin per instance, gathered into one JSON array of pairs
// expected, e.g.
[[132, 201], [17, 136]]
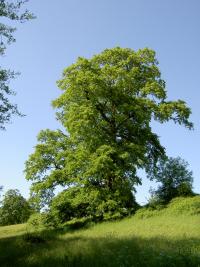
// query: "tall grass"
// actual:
[[185, 206], [167, 239]]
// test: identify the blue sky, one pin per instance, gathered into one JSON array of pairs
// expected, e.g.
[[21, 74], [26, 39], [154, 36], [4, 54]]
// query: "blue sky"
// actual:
[[67, 29]]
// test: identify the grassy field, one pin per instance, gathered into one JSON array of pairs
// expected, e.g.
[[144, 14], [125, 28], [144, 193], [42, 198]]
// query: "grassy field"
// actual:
[[161, 240]]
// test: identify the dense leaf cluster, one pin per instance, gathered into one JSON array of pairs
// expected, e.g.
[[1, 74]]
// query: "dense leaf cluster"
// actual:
[[175, 180], [14, 208]]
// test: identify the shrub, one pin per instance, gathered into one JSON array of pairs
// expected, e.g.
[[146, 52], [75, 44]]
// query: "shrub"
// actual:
[[42, 221], [96, 205], [144, 213]]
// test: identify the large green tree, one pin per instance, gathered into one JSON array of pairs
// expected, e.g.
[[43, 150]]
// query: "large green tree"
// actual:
[[10, 10], [106, 108]]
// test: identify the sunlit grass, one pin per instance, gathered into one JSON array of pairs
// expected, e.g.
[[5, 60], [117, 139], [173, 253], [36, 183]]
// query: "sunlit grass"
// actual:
[[12, 230], [162, 240]]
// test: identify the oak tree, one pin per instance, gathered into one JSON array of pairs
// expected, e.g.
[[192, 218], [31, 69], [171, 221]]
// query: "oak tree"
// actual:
[[106, 108]]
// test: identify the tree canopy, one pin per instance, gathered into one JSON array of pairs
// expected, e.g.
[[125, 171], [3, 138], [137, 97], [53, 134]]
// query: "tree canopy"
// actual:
[[11, 10], [174, 179], [106, 108], [14, 208]]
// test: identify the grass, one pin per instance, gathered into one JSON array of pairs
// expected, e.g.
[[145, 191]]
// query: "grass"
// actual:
[[12, 230], [163, 240]]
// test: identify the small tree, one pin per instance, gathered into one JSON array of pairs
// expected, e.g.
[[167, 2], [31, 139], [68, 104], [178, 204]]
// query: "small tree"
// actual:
[[14, 209], [175, 180]]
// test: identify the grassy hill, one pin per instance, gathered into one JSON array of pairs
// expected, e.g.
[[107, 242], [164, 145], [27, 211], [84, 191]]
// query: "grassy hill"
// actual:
[[169, 237]]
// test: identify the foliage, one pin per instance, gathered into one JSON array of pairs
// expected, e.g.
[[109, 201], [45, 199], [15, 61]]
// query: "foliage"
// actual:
[[10, 11], [175, 178], [106, 108], [35, 220], [14, 208], [41, 221], [92, 204], [147, 212]]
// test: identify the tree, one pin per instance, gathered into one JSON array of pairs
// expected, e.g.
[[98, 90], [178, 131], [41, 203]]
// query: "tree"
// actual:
[[11, 11], [175, 180], [106, 107], [14, 208]]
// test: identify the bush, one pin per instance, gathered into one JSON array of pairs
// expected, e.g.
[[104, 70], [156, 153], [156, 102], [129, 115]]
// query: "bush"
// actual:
[[145, 213], [91, 203], [42, 221]]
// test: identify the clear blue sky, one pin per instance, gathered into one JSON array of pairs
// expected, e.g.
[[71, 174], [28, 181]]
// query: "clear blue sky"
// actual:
[[66, 29]]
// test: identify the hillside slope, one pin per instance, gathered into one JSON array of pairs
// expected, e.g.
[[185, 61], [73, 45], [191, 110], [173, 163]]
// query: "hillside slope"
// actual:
[[167, 239]]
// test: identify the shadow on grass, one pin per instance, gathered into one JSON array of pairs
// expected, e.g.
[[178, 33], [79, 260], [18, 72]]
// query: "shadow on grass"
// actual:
[[108, 251]]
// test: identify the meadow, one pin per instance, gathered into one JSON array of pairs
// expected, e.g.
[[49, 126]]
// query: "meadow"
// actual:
[[169, 237]]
